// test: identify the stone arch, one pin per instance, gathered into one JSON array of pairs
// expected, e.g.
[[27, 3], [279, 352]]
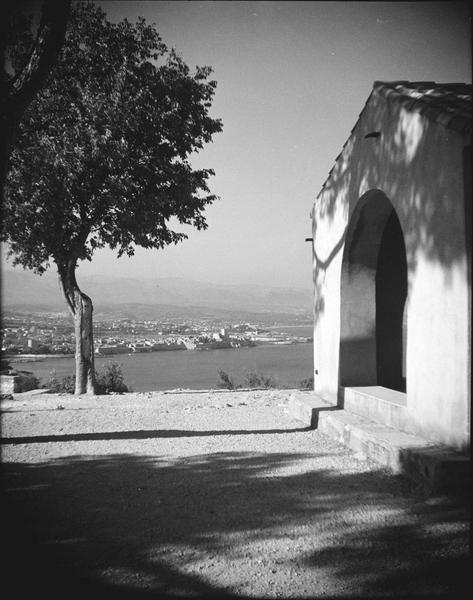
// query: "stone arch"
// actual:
[[373, 296]]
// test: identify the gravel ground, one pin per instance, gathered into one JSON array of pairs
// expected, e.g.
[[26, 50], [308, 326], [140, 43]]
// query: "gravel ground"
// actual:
[[194, 494]]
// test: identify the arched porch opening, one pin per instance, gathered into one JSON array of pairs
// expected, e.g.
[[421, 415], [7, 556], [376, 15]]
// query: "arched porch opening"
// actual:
[[373, 326]]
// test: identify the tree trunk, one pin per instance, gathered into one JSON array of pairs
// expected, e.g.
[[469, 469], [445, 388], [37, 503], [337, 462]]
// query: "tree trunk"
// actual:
[[81, 309]]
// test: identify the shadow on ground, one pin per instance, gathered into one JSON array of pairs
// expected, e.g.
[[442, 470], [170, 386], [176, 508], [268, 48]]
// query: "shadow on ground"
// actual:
[[66, 521], [143, 434]]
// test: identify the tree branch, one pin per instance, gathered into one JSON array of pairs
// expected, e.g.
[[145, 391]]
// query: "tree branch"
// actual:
[[47, 46]]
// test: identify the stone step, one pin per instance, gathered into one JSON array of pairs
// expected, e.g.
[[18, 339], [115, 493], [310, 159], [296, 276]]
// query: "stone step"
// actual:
[[433, 467], [305, 406], [379, 404]]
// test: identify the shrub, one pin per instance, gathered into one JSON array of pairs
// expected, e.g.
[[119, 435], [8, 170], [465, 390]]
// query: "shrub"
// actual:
[[226, 381], [27, 381], [307, 384], [256, 380], [252, 380], [111, 380], [5, 366], [65, 385]]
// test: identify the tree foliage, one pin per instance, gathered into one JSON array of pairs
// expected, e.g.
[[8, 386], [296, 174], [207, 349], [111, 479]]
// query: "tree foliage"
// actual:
[[26, 62], [102, 157]]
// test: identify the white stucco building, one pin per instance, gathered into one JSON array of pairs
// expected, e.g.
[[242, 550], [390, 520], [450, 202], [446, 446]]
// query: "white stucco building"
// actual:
[[392, 259]]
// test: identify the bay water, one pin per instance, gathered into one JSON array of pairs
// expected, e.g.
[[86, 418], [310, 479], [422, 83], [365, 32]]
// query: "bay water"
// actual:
[[288, 365]]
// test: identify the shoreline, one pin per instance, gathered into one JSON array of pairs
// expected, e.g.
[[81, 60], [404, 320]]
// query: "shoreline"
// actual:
[[39, 357], [33, 357]]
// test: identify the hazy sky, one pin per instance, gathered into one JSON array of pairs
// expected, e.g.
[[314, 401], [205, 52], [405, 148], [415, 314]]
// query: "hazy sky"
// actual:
[[292, 80]]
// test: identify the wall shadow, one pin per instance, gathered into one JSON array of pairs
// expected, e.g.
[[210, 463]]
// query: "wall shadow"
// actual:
[[397, 162], [66, 521]]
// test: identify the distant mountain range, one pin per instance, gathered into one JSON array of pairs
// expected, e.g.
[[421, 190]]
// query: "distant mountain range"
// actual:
[[135, 297]]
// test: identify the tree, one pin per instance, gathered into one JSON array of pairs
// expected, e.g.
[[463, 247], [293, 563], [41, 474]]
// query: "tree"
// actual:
[[103, 158], [32, 62]]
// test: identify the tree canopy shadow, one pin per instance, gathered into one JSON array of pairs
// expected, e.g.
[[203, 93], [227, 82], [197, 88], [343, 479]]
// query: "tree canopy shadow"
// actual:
[[66, 522]]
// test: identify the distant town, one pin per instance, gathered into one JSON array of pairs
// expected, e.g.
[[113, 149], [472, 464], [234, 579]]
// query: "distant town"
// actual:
[[53, 334]]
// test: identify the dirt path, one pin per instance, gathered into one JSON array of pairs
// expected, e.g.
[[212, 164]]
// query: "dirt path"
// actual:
[[201, 494]]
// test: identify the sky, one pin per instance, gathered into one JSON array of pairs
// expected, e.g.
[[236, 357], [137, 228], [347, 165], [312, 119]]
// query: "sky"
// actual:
[[292, 79]]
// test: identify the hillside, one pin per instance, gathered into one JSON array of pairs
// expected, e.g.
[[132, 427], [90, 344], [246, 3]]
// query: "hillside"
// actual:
[[142, 296]]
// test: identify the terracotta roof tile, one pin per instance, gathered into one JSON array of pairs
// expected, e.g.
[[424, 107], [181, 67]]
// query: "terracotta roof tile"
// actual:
[[449, 104]]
